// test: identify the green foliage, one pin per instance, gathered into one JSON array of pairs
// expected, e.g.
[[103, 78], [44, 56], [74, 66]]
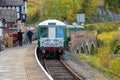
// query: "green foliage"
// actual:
[[104, 55], [116, 47], [113, 5], [89, 7], [103, 27], [50, 9], [105, 59], [107, 37], [60, 9], [115, 66], [109, 66], [33, 13], [112, 39], [66, 9]]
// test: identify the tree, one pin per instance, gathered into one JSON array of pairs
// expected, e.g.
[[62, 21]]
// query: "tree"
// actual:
[[89, 7], [50, 9], [61, 9]]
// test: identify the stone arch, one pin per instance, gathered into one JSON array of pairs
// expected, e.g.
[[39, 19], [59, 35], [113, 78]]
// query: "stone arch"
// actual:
[[82, 49], [87, 49], [92, 49], [77, 51], [74, 51]]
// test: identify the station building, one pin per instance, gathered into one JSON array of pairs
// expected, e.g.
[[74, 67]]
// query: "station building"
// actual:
[[13, 15], [16, 8]]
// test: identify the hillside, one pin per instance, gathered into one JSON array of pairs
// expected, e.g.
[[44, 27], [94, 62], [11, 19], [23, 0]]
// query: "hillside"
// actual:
[[95, 10], [107, 11]]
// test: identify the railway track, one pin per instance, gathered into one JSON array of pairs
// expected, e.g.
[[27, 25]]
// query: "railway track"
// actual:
[[56, 69], [59, 70]]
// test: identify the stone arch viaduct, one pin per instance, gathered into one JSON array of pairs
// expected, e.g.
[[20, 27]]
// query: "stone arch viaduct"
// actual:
[[83, 42]]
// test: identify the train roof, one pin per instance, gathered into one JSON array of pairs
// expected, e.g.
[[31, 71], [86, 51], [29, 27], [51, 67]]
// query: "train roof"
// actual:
[[77, 26], [80, 26], [70, 26], [57, 22]]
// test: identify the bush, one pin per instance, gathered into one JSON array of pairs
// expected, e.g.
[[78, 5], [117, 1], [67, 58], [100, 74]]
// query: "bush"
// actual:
[[112, 5], [104, 56], [107, 37], [103, 27], [116, 47], [115, 66]]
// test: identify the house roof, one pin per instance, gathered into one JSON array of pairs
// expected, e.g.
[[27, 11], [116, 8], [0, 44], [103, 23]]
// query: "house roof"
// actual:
[[11, 2], [10, 15]]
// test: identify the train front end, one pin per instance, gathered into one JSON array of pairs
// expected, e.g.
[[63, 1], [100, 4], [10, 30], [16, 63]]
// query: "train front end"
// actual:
[[51, 38]]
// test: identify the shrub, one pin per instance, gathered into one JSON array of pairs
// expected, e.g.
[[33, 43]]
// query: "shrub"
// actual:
[[116, 47], [103, 27], [104, 56], [107, 37], [115, 66]]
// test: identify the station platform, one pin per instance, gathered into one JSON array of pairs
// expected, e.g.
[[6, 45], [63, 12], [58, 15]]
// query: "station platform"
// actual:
[[19, 63]]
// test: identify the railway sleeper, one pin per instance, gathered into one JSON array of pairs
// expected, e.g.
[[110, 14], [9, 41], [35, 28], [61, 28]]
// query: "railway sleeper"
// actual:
[[64, 79]]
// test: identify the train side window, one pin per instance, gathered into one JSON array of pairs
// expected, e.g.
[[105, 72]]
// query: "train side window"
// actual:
[[44, 32], [60, 32]]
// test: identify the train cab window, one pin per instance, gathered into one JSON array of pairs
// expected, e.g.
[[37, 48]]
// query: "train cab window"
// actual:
[[44, 32]]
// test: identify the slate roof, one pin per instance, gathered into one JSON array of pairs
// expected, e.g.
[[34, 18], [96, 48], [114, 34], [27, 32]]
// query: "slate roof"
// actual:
[[10, 15], [11, 2]]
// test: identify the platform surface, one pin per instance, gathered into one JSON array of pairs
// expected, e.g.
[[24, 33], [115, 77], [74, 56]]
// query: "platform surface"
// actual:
[[19, 63]]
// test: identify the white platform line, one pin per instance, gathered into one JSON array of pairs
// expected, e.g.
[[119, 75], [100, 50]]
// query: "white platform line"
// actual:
[[42, 66]]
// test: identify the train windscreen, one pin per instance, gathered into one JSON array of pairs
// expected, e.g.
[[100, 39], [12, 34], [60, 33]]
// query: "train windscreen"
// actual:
[[44, 32]]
